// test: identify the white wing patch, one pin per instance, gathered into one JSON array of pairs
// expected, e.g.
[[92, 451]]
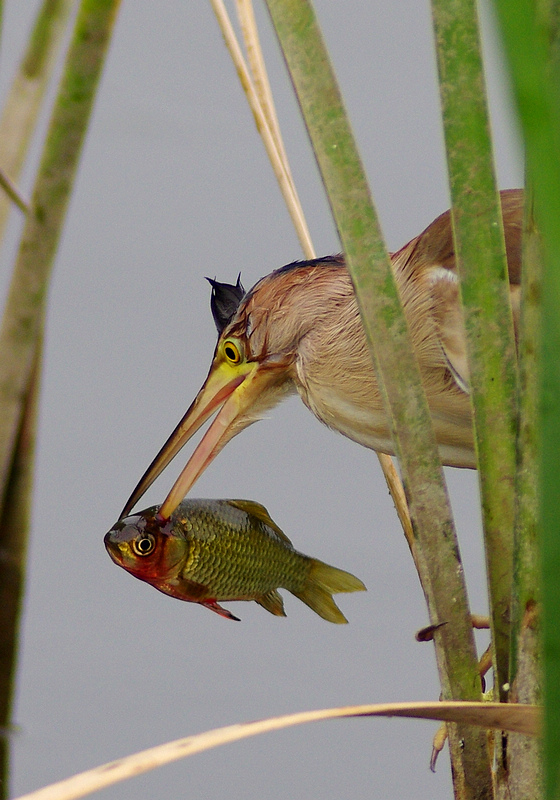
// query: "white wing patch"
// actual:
[[442, 274]]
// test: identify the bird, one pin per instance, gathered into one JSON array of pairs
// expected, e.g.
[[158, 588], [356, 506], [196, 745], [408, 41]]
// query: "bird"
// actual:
[[298, 330]]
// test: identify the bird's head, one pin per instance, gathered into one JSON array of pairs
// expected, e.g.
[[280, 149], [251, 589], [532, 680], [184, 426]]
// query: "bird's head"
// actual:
[[252, 369]]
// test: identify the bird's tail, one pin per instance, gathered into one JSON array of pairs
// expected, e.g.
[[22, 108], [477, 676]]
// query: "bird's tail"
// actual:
[[322, 582]]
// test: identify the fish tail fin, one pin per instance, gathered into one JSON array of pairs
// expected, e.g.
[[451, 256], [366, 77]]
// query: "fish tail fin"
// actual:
[[322, 582]]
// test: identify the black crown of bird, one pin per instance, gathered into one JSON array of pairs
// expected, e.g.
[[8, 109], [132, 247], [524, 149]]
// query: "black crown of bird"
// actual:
[[299, 330]]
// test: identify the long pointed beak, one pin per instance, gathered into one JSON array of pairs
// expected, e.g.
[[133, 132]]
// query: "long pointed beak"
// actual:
[[242, 393]]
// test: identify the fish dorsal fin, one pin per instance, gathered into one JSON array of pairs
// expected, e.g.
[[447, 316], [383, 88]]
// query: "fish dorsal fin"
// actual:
[[260, 512]]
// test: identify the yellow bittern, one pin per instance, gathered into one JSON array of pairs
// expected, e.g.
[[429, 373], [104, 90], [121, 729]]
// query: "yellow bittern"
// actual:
[[299, 330]]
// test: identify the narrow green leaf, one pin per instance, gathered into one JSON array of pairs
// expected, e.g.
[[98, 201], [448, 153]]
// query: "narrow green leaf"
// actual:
[[25, 304], [481, 261], [535, 79], [21, 330], [16, 127], [436, 551], [24, 102], [525, 772], [15, 515]]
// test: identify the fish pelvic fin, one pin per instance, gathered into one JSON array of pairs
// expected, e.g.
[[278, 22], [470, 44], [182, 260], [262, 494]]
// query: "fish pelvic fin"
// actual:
[[322, 582], [273, 602], [223, 612]]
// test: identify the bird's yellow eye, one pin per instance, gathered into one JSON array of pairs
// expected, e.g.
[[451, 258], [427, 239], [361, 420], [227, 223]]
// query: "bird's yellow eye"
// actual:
[[232, 352], [144, 544]]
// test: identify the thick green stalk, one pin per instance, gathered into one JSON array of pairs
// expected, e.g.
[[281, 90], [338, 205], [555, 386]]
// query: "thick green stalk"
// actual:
[[24, 102], [537, 93], [436, 550], [527, 686], [15, 517], [524, 755], [481, 261], [41, 233], [21, 330], [17, 124]]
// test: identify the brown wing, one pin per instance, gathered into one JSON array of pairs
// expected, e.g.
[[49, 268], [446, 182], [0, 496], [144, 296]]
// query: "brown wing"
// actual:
[[428, 264], [435, 244]]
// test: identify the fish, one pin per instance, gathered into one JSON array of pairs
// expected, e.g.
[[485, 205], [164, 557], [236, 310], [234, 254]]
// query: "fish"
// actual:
[[209, 551]]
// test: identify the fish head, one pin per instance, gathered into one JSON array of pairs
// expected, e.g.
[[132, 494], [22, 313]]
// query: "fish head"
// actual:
[[146, 546]]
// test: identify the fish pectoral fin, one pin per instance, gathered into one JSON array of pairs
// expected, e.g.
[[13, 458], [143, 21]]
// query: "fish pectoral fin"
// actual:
[[223, 612], [182, 589], [273, 602]]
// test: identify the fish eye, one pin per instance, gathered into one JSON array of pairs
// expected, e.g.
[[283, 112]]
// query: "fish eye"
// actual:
[[144, 545], [232, 352]]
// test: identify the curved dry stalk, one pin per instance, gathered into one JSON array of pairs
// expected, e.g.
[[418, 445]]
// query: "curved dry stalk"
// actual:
[[282, 174], [520, 718], [248, 23]]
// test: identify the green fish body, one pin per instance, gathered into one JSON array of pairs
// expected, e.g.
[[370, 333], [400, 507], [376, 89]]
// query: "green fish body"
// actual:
[[214, 550]]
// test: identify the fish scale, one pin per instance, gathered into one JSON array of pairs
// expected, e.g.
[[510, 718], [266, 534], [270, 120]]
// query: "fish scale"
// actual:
[[232, 566]]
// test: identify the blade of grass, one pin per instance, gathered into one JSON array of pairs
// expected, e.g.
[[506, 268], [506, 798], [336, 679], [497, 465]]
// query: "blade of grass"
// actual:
[[21, 330], [537, 94], [525, 771], [527, 546], [16, 126], [525, 719], [41, 233], [23, 104], [481, 261], [436, 549], [15, 515]]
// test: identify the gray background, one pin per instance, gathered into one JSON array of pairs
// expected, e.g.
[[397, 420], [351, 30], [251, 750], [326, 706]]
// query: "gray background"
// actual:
[[174, 185]]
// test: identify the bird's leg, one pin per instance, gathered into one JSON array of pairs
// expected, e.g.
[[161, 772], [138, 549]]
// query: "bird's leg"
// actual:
[[426, 634], [441, 734], [480, 621]]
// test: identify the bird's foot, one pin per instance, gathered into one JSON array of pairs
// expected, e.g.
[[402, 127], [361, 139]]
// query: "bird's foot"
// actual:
[[426, 635]]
